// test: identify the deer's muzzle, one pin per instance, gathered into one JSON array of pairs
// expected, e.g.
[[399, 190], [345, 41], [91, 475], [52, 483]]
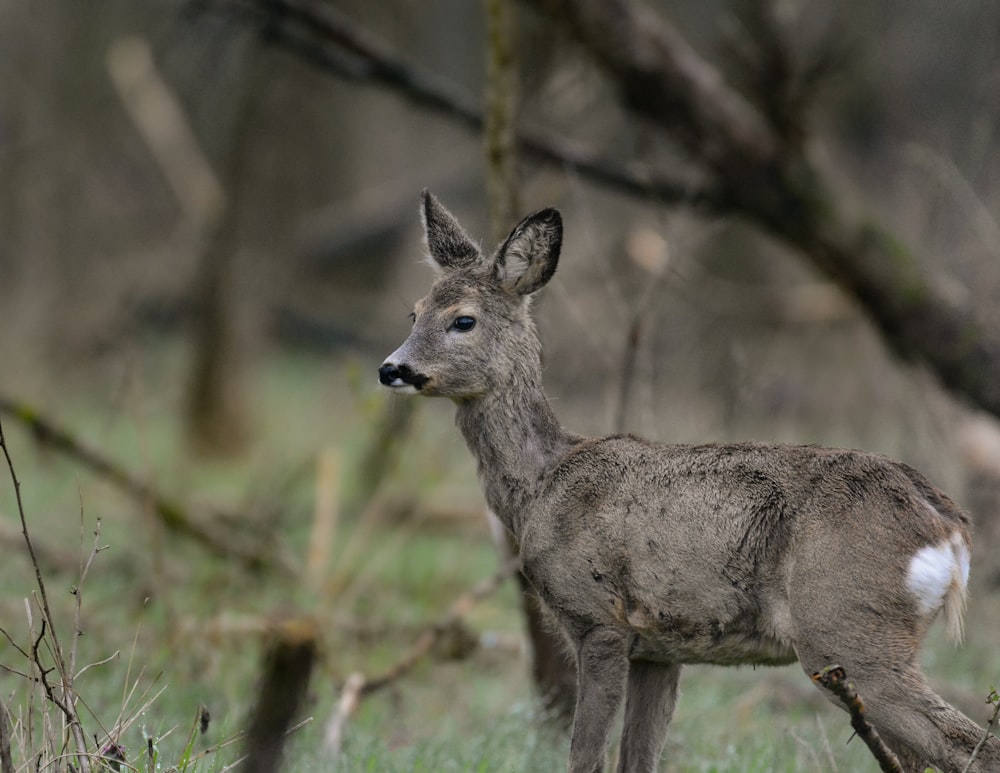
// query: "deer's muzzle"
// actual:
[[396, 376]]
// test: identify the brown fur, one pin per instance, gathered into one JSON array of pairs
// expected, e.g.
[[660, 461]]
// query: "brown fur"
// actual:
[[651, 556]]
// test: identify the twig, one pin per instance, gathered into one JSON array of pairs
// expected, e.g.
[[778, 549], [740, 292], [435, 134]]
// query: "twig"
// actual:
[[77, 590], [993, 698], [834, 679], [6, 763], [171, 513], [350, 698], [431, 636], [326, 516], [650, 252], [68, 704], [359, 687]]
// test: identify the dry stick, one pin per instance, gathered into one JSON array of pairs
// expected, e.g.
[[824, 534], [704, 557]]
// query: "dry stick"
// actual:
[[77, 590], [834, 679], [288, 666], [350, 698], [68, 703], [171, 513], [993, 698], [649, 251], [358, 687], [160, 119], [384, 450], [6, 763], [326, 516]]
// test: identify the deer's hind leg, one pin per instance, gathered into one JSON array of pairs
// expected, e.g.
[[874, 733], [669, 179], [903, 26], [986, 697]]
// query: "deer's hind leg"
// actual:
[[879, 651], [649, 706], [918, 725], [926, 729]]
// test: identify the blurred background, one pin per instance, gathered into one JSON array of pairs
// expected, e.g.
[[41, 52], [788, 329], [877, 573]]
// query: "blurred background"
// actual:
[[209, 241]]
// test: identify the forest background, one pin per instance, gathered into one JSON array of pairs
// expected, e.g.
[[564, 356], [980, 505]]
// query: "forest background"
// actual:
[[781, 224]]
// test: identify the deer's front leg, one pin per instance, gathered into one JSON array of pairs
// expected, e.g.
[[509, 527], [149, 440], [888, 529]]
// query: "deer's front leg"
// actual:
[[601, 667], [652, 694]]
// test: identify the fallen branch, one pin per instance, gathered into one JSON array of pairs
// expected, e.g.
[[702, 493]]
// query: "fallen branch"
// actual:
[[171, 513], [834, 679], [358, 686]]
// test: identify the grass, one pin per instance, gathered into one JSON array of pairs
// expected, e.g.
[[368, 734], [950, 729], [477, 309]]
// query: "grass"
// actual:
[[174, 629]]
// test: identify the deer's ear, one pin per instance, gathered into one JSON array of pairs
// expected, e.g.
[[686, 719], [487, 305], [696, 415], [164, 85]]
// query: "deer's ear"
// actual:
[[527, 260], [450, 247]]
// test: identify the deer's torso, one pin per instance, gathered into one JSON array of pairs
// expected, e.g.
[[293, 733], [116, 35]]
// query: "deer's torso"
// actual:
[[689, 548]]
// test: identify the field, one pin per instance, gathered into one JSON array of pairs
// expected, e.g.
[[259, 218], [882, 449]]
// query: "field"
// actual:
[[168, 627]]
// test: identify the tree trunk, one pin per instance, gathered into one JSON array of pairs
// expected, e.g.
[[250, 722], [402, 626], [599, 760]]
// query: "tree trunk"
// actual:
[[553, 669], [216, 411]]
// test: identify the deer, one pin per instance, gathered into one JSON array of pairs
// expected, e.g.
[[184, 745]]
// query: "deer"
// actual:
[[651, 556]]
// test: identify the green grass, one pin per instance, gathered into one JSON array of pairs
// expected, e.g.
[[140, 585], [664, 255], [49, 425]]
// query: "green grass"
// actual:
[[187, 627]]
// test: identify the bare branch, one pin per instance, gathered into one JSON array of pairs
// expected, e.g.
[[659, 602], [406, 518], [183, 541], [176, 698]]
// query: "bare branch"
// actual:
[[432, 635], [359, 687], [994, 699], [350, 698], [320, 34], [170, 512], [756, 172], [67, 704], [776, 185], [834, 679]]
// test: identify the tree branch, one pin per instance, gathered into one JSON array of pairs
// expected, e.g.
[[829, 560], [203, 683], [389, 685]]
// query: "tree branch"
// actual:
[[776, 185], [320, 34], [358, 686], [993, 699], [171, 513], [755, 173]]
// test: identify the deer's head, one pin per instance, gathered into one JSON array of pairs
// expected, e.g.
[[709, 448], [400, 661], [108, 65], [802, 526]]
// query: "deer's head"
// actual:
[[474, 329]]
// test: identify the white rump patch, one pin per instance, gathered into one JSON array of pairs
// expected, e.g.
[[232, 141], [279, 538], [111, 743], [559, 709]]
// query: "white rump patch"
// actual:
[[935, 569]]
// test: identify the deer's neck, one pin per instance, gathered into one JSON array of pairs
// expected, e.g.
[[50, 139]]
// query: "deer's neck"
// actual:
[[515, 438]]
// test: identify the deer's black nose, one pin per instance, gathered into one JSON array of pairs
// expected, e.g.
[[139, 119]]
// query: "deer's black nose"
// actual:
[[388, 373], [392, 375]]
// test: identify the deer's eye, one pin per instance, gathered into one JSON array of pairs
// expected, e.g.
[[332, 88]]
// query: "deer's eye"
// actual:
[[463, 324]]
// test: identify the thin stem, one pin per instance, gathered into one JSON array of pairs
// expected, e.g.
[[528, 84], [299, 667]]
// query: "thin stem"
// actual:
[[67, 704]]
